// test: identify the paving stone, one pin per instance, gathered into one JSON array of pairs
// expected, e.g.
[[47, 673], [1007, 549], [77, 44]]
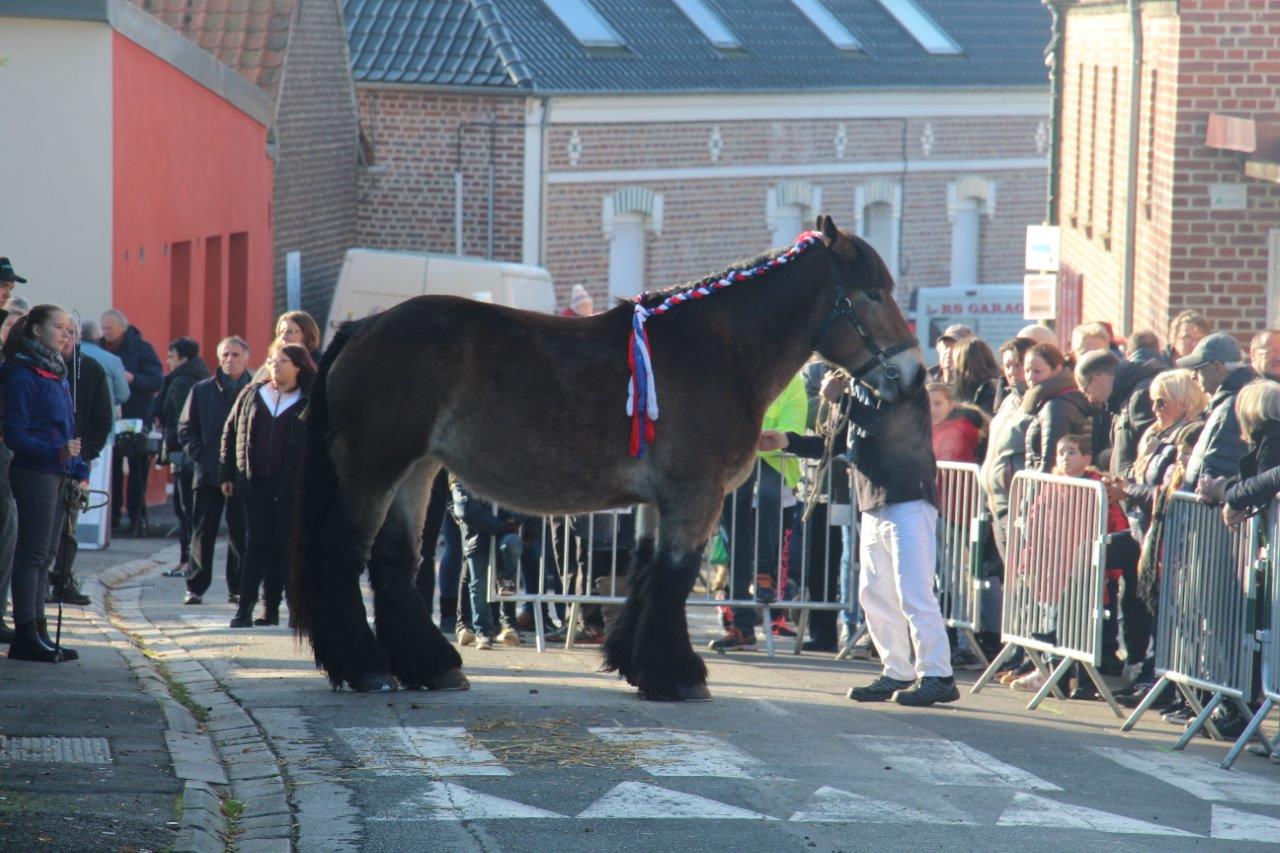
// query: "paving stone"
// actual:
[[197, 841], [253, 770], [272, 804], [194, 758], [178, 718], [265, 823], [264, 845]]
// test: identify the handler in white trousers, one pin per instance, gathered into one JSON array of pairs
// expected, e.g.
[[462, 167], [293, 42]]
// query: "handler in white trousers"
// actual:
[[894, 475]]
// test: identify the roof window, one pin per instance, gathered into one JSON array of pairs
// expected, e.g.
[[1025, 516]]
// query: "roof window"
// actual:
[[586, 24], [922, 28], [821, 17], [708, 23]]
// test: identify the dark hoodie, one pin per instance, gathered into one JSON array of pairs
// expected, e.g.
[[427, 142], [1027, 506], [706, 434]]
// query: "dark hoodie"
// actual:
[[173, 396], [139, 359], [1259, 480], [1130, 408], [1057, 408], [1218, 450]]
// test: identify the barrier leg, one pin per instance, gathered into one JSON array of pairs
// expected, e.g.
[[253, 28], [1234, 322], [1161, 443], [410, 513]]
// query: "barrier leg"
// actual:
[[767, 624], [972, 638], [539, 629], [1043, 669], [1254, 727], [1201, 721], [1050, 684], [802, 628], [1145, 705], [570, 626], [1103, 689], [993, 667], [846, 651]]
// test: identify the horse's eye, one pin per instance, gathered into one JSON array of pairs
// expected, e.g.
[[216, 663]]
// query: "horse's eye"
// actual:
[[874, 296]]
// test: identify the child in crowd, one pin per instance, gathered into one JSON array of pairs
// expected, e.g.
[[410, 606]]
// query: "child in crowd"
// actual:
[[481, 524]]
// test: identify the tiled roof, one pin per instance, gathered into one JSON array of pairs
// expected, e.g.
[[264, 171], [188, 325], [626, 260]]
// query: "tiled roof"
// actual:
[[520, 43], [441, 42], [251, 36]]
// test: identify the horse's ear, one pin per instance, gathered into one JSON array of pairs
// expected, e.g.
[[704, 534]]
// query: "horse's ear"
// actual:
[[828, 228]]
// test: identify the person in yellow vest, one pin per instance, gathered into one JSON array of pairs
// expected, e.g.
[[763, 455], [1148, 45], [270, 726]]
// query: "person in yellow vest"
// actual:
[[754, 516]]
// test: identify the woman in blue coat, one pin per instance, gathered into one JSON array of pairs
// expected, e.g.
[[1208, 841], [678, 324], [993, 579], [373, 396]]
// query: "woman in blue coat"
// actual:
[[39, 427]]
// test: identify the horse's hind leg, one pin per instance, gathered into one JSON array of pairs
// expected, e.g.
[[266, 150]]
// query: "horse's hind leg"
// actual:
[[420, 655], [619, 643]]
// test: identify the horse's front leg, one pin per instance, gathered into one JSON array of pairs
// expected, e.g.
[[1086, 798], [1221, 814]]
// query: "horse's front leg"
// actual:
[[619, 642]]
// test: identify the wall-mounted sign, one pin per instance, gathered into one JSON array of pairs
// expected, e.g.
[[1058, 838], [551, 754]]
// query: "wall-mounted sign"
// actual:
[[1042, 248], [1228, 196], [1040, 297]]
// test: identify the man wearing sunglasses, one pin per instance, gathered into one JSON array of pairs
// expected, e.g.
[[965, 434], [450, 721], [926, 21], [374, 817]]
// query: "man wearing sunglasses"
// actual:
[[1121, 388]]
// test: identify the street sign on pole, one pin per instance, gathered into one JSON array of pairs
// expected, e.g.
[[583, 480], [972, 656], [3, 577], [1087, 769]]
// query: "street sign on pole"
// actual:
[[293, 281], [1042, 248], [1040, 296]]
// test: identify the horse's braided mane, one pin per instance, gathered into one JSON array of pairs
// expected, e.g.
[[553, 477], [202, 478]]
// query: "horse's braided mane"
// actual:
[[653, 298]]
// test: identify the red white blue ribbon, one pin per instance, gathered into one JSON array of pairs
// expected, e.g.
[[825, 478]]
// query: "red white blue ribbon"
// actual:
[[642, 392]]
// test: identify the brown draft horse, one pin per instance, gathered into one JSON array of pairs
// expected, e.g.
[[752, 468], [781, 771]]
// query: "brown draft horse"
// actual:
[[529, 410]]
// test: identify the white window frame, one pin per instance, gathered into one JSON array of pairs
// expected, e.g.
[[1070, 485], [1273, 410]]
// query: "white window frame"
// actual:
[[625, 213], [881, 190], [828, 24], [709, 23], [785, 202], [924, 29], [585, 23]]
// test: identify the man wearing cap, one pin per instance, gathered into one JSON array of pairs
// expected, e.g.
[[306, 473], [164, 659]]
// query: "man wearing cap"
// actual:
[[1221, 370], [8, 509], [945, 369]]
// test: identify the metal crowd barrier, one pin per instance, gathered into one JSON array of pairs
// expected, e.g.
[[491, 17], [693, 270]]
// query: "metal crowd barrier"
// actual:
[[803, 562], [1055, 575], [1205, 628], [963, 526], [1268, 637]]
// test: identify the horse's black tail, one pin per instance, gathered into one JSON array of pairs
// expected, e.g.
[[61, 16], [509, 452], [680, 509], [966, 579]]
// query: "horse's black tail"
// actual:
[[315, 593]]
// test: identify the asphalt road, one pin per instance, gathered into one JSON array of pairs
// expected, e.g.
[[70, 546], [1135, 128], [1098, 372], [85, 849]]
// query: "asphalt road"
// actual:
[[544, 752]]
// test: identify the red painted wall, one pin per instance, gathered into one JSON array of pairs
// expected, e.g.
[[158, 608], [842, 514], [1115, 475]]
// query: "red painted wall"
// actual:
[[188, 166]]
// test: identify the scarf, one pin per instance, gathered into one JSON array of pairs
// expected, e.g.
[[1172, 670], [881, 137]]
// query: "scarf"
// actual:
[[32, 352]]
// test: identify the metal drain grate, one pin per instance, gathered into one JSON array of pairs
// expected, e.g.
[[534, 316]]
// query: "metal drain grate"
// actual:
[[56, 750]]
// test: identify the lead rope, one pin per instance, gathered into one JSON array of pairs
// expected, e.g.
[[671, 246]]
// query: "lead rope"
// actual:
[[837, 421]]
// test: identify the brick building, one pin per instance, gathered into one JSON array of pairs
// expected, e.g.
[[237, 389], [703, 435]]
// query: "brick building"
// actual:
[[630, 144], [1195, 223], [295, 51]]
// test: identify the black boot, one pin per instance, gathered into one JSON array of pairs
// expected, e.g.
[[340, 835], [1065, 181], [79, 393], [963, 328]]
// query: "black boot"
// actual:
[[67, 654], [71, 593], [27, 644], [270, 615], [244, 615]]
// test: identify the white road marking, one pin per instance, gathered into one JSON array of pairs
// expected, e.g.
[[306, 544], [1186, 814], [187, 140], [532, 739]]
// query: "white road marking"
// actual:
[[417, 750], [631, 800], [451, 801], [771, 708], [832, 805], [666, 752], [946, 762], [1030, 810], [1232, 825], [1196, 776]]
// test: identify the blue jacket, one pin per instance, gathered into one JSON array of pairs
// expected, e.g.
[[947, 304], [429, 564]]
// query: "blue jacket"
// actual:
[[38, 420]]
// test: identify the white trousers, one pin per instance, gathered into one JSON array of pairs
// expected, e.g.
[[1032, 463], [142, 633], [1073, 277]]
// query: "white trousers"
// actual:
[[895, 586]]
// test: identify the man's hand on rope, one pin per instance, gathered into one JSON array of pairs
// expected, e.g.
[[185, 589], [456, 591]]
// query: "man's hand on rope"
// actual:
[[771, 440]]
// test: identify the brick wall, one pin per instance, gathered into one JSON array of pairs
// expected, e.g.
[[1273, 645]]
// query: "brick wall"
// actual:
[[316, 133], [1200, 56], [415, 141]]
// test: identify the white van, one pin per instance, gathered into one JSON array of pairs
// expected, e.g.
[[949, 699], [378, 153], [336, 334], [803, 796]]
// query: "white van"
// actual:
[[373, 280], [993, 311]]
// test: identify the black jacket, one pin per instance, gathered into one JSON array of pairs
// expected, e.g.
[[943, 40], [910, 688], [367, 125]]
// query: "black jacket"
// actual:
[[1058, 408], [478, 519], [1130, 408], [172, 398], [202, 419], [1220, 446], [891, 450], [237, 442], [139, 359], [1259, 480], [93, 408]]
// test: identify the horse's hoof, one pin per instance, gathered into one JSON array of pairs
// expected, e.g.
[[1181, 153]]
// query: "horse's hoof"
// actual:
[[372, 682], [681, 693], [450, 679]]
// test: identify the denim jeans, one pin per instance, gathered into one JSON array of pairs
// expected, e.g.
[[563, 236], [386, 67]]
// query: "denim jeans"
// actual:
[[509, 548], [42, 512]]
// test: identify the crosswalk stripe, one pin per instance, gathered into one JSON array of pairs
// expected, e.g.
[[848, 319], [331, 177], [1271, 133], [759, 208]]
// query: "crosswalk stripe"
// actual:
[[832, 805], [631, 800], [667, 752], [937, 761], [1233, 825], [1031, 810], [1196, 776], [415, 750], [451, 801]]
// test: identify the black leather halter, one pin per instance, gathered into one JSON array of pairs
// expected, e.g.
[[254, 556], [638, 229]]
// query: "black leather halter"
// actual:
[[843, 308]]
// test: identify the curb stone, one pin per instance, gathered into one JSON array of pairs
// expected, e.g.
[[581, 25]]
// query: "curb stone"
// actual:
[[227, 756]]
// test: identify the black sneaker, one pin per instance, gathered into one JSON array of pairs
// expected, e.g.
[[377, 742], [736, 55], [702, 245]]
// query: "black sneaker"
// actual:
[[879, 690], [1179, 715], [962, 659], [734, 641], [929, 690], [192, 598]]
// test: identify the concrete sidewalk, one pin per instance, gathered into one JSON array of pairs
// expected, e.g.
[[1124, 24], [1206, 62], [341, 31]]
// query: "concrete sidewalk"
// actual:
[[84, 763]]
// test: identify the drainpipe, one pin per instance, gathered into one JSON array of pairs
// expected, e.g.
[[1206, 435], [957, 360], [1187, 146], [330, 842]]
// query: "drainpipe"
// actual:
[[1131, 182], [1056, 52]]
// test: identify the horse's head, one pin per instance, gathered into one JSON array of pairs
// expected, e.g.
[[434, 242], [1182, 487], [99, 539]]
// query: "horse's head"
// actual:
[[860, 327]]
